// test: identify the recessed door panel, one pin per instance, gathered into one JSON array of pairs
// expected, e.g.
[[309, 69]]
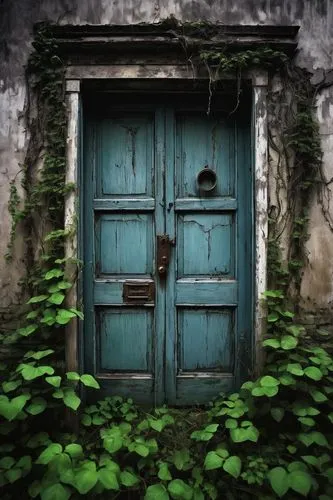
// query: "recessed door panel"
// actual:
[[124, 244], [125, 155], [206, 340], [125, 340], [206, 245]]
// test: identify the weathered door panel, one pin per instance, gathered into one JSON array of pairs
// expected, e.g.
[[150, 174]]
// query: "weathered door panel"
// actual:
[[120, 233], [184, 336], [206, 323]]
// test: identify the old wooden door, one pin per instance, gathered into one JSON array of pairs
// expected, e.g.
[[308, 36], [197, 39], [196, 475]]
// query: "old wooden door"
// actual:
[[167, 259]]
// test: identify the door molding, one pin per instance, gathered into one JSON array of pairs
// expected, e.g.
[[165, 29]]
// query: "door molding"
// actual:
[[259, 136]]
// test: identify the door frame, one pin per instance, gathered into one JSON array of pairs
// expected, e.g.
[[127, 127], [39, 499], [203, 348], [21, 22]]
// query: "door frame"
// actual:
[[75, 76]]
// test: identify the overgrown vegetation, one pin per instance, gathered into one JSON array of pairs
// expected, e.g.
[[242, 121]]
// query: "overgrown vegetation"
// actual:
[[273, 439]]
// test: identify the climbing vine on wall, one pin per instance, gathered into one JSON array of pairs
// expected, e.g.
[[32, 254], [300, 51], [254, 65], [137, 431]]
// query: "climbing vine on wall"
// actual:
[[231, 450]]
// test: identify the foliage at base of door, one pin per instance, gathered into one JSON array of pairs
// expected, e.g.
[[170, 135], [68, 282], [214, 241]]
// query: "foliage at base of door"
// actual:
[[271, 440]]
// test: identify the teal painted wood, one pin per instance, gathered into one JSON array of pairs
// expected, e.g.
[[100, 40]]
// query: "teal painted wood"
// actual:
[[119, 244], [125, 342], [140, 181]]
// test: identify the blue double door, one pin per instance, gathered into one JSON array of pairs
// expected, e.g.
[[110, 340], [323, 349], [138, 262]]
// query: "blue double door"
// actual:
[[167, 254]]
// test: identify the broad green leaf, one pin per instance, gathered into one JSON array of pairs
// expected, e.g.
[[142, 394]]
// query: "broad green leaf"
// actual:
[[71, 399], [55, 492], [54, 381], [113, 443], [86, 420], [59, 394], [30, 372], [277, 414], [181, 458], [213, 461], [53, 273], [89, 381], [300, 481], [74, 450], [24, 463], [139, 448], [41, 354], [286, 379], [274, 343], [233, 466], [128, 478], [197, 494], [258, 391], [231, 423], [288, 342], [34, 489], [318, 396], [311, 459], [240, 435], [269, 381], [11, 386], [108, 479], [77, 313], [85, 480], [271, 391], [297, 465], [32, 314], [36, 406], [211, 428], [164, 473], [39, 439], [64, 285], [28, 330], [179, 490], [73, 376], [7, 462], [158, 425], [10, 408], [278, 477], [313, 372], [64, 316], [156, 492], [295, 369], [272, 317], [56, 298], [51, 451], [13, 474], [37, 298], [307, 421]]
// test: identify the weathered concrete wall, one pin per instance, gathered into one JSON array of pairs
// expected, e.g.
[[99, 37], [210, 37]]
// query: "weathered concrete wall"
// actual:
[[315, 17]]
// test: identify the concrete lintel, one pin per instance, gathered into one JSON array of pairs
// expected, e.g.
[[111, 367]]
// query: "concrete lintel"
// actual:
[[73, 85]]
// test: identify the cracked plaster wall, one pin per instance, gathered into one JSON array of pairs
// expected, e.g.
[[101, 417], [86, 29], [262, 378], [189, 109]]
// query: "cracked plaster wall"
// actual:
[[315, 18]]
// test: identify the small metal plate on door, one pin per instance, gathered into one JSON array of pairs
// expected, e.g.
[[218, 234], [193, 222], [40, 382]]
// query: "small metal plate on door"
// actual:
[[136, 292]]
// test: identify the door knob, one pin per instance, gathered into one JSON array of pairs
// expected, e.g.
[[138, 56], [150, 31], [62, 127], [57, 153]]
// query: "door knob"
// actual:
[[163, 254]]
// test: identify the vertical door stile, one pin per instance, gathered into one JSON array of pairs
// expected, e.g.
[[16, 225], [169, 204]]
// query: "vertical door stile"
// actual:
[[160, 295], [88, 254], [170, 327], [244, 259]]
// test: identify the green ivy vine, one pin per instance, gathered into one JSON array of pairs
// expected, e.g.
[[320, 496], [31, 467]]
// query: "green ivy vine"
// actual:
[[272, 439]]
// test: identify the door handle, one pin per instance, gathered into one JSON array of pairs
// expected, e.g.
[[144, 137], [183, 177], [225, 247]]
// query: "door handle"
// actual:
[[163, 254]]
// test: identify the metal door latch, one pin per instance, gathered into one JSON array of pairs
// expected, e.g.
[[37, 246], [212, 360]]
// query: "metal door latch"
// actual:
[[163, 253]]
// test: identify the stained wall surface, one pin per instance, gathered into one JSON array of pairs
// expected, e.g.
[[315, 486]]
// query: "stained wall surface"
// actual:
[[315, 41]]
